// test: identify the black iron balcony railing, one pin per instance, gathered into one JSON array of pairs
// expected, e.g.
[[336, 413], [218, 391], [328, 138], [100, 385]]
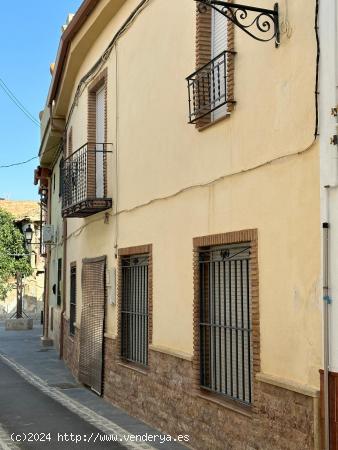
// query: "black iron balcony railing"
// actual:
[[208, 87], [85, 181]]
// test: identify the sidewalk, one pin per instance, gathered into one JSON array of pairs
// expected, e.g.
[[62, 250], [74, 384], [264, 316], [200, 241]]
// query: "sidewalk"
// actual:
[[42, 367]]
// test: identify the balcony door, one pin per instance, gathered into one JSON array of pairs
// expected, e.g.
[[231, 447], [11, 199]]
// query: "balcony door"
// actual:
[[100, 139], [219, 26]]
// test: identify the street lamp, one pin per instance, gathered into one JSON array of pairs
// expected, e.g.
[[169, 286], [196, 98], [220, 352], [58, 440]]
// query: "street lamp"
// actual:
[[28, 235]]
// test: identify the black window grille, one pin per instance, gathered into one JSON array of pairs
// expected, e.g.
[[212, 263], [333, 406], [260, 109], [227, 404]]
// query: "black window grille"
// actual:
[[134, 309], [72, 312], [59, 295], [225, 321], [207, 87]]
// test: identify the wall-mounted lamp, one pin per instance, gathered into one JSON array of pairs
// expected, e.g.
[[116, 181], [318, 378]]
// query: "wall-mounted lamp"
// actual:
[[28, 235]]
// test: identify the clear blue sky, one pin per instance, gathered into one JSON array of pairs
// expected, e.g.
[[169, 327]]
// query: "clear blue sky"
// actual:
[[29, 38]]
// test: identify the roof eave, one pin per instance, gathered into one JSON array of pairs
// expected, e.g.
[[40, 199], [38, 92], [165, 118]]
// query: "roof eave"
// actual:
[[75, 25]]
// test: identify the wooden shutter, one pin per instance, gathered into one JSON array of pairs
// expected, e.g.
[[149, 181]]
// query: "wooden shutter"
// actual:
[[100, 139], [219, 27]]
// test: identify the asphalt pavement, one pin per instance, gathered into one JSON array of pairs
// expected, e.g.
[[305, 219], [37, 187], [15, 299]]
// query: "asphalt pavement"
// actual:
[[34, 420], [43, 406]]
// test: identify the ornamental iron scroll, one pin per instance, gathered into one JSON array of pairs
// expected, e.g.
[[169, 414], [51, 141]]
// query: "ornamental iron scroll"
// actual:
[[259, 23]]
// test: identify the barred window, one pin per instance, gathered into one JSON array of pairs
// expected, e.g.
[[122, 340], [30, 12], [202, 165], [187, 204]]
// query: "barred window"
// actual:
[[134, 309], [72, 312], [225, 321]]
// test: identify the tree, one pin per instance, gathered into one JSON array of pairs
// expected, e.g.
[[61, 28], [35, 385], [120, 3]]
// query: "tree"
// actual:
[[13, 255]]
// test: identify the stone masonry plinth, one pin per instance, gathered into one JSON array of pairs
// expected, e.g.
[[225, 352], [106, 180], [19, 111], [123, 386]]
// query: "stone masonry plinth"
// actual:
[[19, 324]]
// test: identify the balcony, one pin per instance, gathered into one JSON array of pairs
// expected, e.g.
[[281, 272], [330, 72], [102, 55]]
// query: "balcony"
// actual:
[[85, 181], [208, 87]]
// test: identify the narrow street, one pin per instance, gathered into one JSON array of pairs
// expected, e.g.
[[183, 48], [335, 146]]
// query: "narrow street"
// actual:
[[26, 411], [169, 225], [43, 405]]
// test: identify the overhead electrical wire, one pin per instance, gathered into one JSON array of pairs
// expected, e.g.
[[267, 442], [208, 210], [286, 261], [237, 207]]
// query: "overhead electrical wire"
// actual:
[[83, 82], [25, 111], [20, 163], [6, 166], [281, 158], [17, 102]]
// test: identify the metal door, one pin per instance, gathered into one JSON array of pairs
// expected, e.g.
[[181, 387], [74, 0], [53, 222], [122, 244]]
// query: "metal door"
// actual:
[[92, 323]]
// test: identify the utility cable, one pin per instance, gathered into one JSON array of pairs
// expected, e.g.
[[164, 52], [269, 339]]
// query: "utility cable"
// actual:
[[20, 163], [98, 64], [79, 230], [5, 166], [17, 102], [85, 79]]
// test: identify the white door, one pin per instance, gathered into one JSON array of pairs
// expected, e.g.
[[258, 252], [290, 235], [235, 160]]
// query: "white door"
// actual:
[[219, 26], [100, 138]]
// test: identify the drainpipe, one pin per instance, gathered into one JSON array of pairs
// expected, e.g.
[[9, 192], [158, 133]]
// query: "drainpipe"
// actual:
[[327, 302], [64, 275], [329, 175]]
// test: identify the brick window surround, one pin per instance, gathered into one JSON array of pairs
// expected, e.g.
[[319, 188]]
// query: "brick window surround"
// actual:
[[243, 236], [203, 56], [98, 82], [134, 251]]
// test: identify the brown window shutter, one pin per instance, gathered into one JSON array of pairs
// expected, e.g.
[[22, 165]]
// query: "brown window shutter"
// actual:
[[203, 55]]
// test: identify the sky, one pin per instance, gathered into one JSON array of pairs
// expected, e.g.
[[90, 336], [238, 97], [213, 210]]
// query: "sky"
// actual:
[[29, 37]]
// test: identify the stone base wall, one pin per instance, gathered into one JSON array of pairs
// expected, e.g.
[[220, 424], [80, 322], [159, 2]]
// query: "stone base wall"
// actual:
[[71, 348], [164, 397]]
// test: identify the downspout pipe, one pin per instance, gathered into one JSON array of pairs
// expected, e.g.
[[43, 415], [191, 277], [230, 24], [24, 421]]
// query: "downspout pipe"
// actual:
[[327, 302], [329, 170], [64, 288]]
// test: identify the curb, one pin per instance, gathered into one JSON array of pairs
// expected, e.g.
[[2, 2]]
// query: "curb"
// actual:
[[101, 423]]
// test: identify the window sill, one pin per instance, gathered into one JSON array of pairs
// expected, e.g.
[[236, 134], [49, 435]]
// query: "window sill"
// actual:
[[214, 122], [225, 402], [134, 367]]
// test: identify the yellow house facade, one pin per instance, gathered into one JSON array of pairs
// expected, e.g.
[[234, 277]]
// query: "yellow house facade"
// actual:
[[191, 267]]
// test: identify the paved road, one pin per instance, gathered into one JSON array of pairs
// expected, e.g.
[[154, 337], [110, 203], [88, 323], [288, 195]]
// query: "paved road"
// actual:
[[25, 409]]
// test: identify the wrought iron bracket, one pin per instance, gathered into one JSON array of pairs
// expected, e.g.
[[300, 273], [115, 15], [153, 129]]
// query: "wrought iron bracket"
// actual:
[[259, 23]]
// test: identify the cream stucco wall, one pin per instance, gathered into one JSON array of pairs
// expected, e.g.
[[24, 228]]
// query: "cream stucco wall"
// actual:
[[56, 250], [158, 154]]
